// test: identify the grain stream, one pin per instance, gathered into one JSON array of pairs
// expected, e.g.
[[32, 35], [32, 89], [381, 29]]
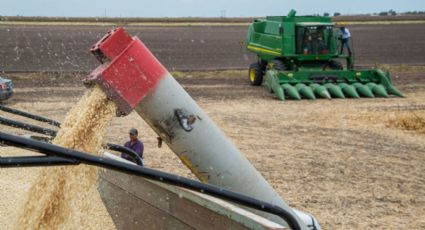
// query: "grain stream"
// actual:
[[66, 197]]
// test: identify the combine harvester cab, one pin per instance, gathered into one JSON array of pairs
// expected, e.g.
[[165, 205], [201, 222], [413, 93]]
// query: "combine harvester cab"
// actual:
[[299, 58]]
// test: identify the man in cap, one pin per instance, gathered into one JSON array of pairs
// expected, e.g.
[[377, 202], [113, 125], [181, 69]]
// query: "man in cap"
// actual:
[[134, 144]]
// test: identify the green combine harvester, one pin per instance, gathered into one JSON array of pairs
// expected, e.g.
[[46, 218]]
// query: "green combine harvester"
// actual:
[[299, 56]]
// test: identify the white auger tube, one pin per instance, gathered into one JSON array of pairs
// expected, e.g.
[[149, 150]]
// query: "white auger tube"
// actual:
[[135, 79], [202, 146]]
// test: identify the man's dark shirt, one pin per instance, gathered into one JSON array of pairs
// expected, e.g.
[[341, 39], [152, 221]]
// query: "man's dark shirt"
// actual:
[[137, 147]]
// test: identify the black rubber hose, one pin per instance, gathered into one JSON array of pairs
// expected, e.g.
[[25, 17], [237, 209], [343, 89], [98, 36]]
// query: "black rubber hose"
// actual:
[[126, 150], [35, 161], [53, 150], [52, 133], [25, 126], [30, 115]]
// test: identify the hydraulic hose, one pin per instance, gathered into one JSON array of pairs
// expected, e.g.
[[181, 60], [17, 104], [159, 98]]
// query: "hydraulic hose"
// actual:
[[35, 161], [28, 127], [52, 133], [53, 150], [126, 150], [30, 115]]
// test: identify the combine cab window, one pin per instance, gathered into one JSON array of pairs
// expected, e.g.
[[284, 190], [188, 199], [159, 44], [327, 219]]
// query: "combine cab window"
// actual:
[[313, 40]]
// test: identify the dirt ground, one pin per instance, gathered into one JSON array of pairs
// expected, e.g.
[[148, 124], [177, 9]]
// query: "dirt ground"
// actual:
[[64, 48], [341, 160]]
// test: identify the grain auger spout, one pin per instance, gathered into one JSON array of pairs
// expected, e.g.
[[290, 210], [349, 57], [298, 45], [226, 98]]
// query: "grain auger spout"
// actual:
[[298, 57], [132, 77]]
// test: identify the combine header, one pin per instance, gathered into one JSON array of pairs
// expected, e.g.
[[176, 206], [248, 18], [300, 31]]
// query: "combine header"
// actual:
[[298, 55]]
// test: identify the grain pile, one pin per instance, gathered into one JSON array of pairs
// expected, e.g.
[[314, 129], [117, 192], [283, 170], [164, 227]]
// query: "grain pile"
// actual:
[[66, 197], [413, 121]]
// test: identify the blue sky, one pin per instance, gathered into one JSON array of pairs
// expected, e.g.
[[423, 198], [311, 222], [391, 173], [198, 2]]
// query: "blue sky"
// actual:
[[197, 8]]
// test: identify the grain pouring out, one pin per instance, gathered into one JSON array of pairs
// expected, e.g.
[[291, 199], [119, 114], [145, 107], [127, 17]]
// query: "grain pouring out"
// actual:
[[61, 197]]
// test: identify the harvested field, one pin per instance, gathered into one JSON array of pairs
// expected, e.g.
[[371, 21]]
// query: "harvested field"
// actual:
[[64, 48], [341, 160]]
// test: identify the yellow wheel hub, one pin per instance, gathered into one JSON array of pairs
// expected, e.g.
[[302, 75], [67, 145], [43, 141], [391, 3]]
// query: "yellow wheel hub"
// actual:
[[252, 75]]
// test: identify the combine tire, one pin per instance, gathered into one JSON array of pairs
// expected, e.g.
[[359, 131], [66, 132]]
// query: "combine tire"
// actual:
[[256, 73]]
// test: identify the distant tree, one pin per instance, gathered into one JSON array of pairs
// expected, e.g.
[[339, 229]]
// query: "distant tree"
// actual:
[[392, 13], [326, 14], [336, 14], [383, 13]]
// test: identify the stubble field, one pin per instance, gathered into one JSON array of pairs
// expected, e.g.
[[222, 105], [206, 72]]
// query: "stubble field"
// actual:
[[354, 164], [345, 161]]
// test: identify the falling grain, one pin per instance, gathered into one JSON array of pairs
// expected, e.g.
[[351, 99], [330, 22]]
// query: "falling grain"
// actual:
[[65, 197]]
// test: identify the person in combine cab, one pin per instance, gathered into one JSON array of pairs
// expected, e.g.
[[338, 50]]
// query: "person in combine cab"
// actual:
[[345, 40], [134, 144]]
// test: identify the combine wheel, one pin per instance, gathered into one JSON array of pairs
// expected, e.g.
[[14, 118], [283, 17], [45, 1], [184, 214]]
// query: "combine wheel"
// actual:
[[256, 73]]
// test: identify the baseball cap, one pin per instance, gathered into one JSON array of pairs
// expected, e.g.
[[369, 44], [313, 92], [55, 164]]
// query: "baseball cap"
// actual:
[[133, 131]]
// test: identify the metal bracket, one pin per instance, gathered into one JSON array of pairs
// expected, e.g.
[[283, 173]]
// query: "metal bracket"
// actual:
[[185, 121]]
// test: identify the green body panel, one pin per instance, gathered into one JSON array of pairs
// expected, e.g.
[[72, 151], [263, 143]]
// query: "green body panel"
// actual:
[[307, 48]]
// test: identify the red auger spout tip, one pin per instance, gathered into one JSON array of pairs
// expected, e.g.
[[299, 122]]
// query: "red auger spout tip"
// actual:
[[128, 70]]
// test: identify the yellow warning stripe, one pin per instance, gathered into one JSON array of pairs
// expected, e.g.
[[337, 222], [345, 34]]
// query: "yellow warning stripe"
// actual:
[[254, 48], [194, 170]]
